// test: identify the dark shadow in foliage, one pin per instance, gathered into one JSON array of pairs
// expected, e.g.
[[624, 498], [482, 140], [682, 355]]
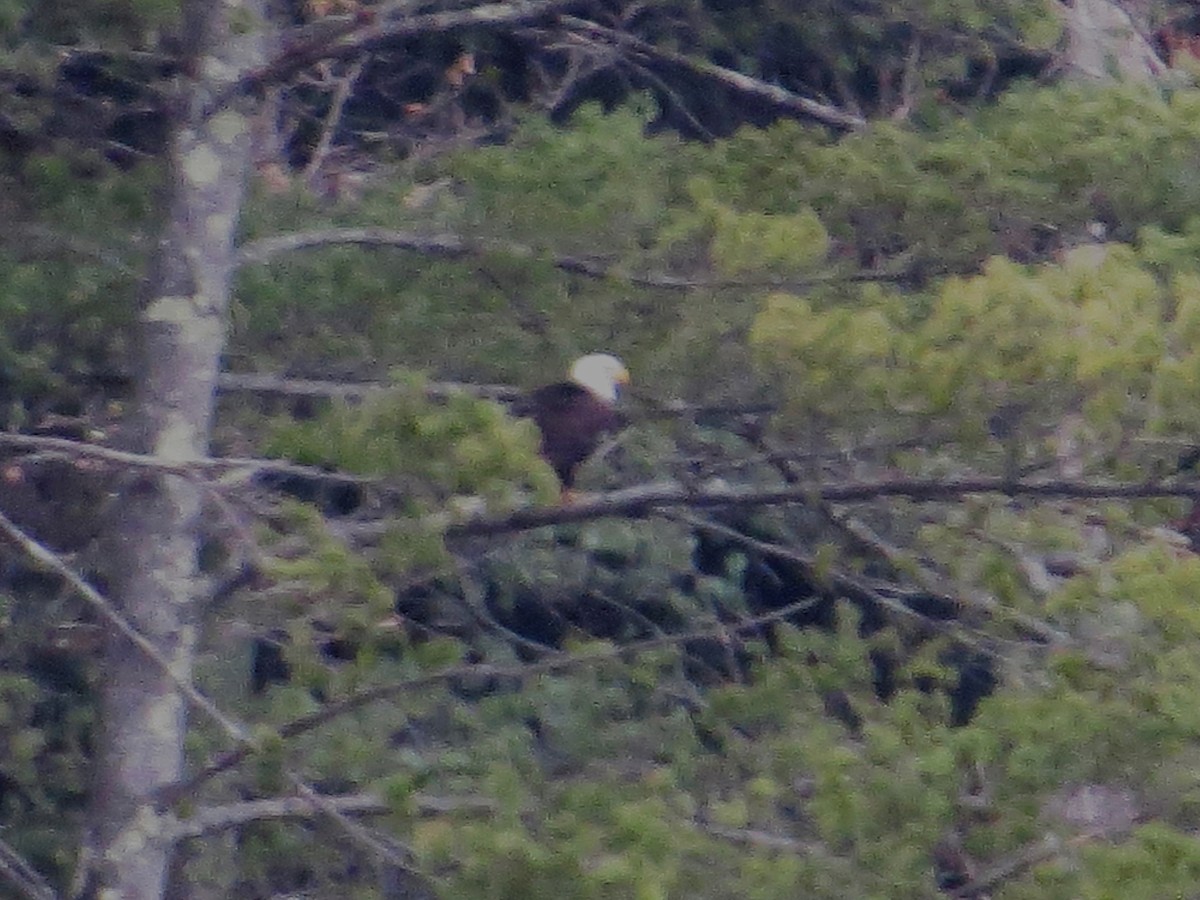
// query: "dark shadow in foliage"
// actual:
[[332, 494], [268, 655], [771, 584], [767, 583]]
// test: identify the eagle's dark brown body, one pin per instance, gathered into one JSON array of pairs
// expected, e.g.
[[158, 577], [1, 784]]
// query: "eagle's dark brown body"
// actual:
[[573, 422]]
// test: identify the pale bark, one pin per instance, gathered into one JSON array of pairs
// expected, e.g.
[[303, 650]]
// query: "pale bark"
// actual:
[[152, 555], [1104, 43]]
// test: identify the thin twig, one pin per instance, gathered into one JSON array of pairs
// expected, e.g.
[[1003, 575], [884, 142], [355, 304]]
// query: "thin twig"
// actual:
[[345, 88], [855, 589], [348, 39], [22, 876], [594, 654]]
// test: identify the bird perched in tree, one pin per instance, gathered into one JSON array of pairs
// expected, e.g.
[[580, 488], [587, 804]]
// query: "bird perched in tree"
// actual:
[[573, 416]]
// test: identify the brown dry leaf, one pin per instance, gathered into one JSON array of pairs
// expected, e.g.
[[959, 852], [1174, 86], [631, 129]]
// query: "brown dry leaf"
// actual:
[[460, 69], [275, 177], [318, 9]]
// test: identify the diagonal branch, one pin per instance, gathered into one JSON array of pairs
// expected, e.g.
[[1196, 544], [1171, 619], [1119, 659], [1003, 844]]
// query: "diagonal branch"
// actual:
[[856, 589], [333, 119], [743, 85], [22, 876], [347, 39], [50, 561], [593, 654]]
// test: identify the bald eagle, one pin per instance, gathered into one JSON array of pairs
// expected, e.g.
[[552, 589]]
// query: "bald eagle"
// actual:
[[573, 416]]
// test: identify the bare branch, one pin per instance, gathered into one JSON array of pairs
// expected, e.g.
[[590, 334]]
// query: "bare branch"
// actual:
[[188, 468], [743, 84], [50, 560], [1012, 866], [349, 39], [342, 390], [908, 81], [452, 246], [640, 500], [215, 819], [857, 589], [345, 86], [22, 876], [322, 804], [645, 499], [757, 840]]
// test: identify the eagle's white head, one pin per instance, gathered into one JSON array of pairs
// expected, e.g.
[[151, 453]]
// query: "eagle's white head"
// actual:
[[601, 375]]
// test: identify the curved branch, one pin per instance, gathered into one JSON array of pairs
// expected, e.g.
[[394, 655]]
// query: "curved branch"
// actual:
[[352, 38], [452, 246]]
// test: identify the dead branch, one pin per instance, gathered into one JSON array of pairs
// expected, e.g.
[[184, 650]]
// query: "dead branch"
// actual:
[[239, 382], [908, 86], [452, 246], [49, 560], [1010, 867], [745, 837], [319, 803], [215, 819], [351, 37], [191, 468], [22, 876], [744, 85], [645, 499], [345, 86]]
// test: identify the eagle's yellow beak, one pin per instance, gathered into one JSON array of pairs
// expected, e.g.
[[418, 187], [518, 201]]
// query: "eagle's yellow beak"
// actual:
[[622, 377]]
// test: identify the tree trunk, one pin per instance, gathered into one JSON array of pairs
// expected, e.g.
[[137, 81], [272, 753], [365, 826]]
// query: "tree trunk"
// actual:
[[153, 557], [1104, 43]]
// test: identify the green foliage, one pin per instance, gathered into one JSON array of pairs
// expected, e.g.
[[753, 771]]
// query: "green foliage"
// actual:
[[67, 289], [1093, 332], [1016, 177], [1157, 859], [622, 787], [464, 446], [114, 23], [659, 775], [601, 183], [853, 44]]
